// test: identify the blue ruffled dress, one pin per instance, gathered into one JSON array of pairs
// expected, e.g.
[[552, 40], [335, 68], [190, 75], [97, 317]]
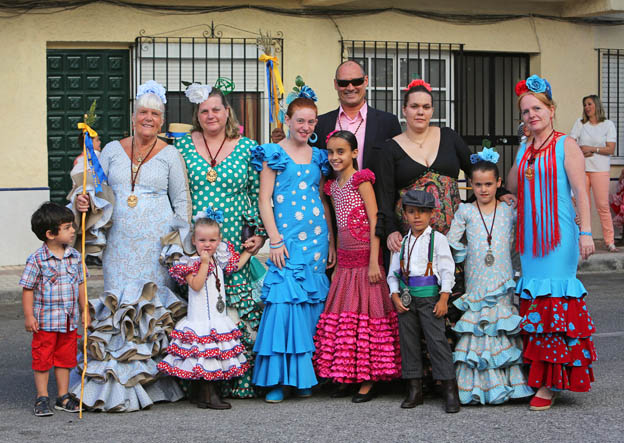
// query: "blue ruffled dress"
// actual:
[[294, 296], [488, 355]]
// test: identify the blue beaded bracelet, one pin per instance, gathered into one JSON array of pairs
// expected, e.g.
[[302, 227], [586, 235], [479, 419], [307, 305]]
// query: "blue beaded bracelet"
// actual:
[[586, 233]]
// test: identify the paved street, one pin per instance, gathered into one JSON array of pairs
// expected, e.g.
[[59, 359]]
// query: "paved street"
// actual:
[[597, 416]]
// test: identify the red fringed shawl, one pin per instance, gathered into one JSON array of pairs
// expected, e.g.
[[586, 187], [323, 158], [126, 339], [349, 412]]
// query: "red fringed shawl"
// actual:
[[546, 236]]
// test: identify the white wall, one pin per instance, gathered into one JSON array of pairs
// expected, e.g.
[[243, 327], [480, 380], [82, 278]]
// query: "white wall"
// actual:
[[16, 208]]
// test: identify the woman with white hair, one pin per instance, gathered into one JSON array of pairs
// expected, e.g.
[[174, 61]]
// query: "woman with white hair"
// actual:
[[136, 311]]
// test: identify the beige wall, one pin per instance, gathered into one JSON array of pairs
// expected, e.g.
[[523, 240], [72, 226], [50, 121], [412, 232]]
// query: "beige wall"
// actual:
[[562, 52]]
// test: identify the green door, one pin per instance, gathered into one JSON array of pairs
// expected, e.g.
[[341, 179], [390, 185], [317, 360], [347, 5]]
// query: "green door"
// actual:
[[74, 79]]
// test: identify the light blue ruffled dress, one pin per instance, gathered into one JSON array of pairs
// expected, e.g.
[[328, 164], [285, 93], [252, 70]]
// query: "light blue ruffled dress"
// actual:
[[294, 296], [132, 318], [488, 354]]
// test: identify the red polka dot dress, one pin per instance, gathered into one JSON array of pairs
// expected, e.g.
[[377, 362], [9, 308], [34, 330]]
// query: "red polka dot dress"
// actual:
[[357, 335], [205, 345]]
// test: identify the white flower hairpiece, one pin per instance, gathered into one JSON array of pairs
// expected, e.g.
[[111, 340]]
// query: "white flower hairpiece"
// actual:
[[152, 87], [198, 93]]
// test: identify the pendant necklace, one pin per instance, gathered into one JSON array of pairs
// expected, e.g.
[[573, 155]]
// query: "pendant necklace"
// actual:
[[134, 172], [489, 257], [529, 173], [212, 175], [220, 303], [406, 296], [420, 145]]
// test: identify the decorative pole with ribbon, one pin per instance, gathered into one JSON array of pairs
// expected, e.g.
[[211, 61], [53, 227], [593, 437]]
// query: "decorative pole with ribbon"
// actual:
[[275, 87], [90, 162]]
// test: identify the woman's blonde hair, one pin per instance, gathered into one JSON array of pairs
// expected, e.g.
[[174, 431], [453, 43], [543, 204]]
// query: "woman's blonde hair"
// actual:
[[600, 113], [232, 127], [541, 97]]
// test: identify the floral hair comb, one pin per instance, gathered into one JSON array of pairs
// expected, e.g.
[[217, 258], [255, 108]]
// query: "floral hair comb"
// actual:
[[534, 84], [418, 82], [152, 87], [488, 154], [210, 213]]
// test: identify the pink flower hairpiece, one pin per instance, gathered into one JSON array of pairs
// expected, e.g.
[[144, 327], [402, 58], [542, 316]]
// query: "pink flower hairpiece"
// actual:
[[330, 135], [418, 82]]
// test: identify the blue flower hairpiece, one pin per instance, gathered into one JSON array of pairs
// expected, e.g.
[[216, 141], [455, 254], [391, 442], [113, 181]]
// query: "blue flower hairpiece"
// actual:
[[152, 87], [301, 90], [534, 84], [213, 214], [486, 155]]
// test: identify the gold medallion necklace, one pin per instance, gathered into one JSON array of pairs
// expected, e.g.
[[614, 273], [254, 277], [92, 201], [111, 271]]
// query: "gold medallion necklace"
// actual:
[[133, 200]]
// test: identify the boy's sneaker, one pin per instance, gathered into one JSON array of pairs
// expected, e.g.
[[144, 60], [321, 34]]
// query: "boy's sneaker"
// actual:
[[67, 403], [42, 407]]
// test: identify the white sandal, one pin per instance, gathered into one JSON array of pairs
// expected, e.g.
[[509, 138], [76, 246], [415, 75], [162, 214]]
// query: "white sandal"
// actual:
[[612, 248]]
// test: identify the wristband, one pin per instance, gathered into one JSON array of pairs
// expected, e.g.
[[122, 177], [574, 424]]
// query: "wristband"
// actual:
[[276, 245], [586, 233]]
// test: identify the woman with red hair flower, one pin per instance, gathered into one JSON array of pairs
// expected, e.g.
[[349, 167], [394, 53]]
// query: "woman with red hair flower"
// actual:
[[556, 325]]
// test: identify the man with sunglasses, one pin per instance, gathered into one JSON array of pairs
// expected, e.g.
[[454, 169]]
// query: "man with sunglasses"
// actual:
[[370, 126]]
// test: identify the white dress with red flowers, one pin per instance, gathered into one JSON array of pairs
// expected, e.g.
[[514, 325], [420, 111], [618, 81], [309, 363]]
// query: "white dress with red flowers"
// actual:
[[206, 343]]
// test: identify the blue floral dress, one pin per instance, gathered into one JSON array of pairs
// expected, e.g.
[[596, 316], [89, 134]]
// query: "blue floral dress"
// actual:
[[488, 355], [294, 296]]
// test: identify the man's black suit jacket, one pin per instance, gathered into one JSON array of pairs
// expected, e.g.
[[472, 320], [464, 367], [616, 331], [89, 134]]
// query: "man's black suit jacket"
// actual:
[[380, 126]]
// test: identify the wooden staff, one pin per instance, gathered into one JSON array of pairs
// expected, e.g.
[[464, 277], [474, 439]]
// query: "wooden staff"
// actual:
[[84, 267]]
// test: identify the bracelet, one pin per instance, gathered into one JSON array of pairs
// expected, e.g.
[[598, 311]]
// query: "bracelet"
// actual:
[[586, 233], [276, 245]]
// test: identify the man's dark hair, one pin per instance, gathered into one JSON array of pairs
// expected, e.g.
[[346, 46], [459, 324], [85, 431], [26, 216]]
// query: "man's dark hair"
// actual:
[[49, 217]]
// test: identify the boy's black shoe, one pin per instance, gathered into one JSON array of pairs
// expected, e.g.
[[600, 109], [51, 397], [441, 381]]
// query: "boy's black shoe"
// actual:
[[42, 407], [451, 395], [414, 395], [67, 403]]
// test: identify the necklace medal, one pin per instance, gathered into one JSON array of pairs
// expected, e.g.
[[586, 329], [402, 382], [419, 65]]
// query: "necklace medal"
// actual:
[[406, 297], [220, 304], [529, 173], [132, 200], [489, 258], [212, 175]]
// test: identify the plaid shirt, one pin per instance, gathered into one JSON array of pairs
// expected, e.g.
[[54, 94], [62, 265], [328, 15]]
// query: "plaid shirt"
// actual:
[[55, 285]]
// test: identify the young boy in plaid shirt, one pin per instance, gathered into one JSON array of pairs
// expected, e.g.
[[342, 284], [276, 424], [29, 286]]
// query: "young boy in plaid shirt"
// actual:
[[53, 296]]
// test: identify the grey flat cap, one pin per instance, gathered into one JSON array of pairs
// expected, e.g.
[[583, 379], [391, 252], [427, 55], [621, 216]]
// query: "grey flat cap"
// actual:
[[418, 198]]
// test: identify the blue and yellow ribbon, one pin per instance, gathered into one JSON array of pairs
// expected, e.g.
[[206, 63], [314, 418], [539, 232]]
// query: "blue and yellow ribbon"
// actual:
[[94, 164], [274, 84]]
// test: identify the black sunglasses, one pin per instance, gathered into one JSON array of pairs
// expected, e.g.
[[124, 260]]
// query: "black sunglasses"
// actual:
[[353, 81]]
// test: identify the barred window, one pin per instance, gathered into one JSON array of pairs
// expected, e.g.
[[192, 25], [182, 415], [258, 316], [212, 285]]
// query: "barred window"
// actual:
[[174, 60], [611, 87], [391, 66]]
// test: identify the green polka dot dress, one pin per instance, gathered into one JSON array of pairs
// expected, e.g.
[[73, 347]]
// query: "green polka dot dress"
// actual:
[[235, 193]]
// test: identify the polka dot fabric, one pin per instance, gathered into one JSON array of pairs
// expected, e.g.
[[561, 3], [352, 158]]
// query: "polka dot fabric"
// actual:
[[357, 336], [235, 193]]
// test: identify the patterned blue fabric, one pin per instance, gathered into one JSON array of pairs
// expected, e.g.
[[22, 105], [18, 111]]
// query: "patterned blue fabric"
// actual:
[[137, 309], [488, 355], [294, 295], [55, 285]]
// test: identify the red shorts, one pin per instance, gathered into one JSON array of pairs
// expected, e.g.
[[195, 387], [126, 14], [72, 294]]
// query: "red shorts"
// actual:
[[56, 349]]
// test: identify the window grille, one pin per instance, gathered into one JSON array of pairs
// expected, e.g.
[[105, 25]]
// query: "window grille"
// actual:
[[611, 92], [173, 60], [392, 65]]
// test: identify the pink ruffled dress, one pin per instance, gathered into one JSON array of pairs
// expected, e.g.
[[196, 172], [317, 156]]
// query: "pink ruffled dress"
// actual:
[[357, 336], [205, 345]]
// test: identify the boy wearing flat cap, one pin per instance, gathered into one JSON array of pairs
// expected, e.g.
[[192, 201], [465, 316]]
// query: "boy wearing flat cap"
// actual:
[[421, 277]]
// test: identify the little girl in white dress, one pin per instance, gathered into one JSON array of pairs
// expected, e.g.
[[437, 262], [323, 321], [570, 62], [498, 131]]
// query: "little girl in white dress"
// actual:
[[205, 345]]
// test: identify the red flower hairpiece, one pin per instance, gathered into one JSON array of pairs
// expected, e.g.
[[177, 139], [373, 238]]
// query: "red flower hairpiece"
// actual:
[[521, 88], [418, 82], [330, 135]]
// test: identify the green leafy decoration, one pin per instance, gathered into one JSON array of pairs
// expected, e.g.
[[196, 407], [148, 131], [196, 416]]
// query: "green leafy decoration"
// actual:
[[90, 117]]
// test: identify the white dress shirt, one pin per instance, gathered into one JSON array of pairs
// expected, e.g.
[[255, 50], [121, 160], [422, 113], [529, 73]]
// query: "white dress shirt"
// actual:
[[443, 264]]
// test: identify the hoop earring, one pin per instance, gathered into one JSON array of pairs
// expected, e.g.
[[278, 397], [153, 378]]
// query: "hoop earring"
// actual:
[[315, 138]]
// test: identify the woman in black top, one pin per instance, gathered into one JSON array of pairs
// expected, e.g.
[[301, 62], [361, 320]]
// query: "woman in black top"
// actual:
[[423, 157]]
